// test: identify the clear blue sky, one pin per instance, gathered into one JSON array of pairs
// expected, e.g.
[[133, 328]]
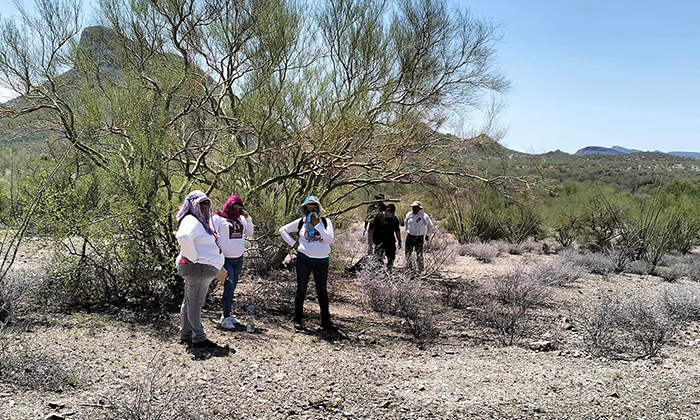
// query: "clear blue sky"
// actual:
[[599, 72], [596, 72]]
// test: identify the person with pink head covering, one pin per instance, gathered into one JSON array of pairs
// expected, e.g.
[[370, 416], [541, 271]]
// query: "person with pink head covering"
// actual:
[[199, 263], [233, 224]]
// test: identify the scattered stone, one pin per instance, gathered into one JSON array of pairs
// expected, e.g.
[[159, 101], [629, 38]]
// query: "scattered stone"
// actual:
[[614, 395], [57, 405], [542, 345], [54, 416]]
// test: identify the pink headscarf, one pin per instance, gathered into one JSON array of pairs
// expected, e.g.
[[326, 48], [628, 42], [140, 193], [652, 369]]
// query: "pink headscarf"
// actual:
[[228, 211], [191, 206]]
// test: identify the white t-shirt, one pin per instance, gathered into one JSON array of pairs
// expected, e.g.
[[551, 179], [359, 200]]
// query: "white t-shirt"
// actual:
[[232, 234], [197, 245], [318, 246]]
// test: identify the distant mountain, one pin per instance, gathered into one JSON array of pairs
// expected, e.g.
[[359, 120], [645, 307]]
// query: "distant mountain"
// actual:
[[598, 150], [692, 155], [624, 150], [617, 150]]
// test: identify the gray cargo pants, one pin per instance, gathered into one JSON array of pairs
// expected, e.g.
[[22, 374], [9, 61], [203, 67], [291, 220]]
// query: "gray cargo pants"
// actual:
[[197, 279]]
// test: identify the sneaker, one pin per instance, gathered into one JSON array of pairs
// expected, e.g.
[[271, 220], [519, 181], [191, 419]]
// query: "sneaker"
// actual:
[[184, 341], [206, 344], [229, 323], [329, 327]]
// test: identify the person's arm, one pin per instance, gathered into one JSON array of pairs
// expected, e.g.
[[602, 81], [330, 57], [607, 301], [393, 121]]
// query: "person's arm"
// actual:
[[405, 221], [185, 237], [325, 232], [429, 225], [286, 230]]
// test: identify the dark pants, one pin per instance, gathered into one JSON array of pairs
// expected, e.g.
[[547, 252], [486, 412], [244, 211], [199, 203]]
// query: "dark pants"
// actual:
[[389, 249], [414, 242], [305, 267]]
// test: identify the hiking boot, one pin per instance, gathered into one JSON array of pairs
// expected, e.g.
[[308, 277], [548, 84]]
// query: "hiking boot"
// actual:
[[206, 344], [298, 325], [184, 341]]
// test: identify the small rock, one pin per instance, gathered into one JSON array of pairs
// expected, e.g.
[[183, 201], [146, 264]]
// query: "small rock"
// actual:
[[542, 345], [56, 405], [614, 395], [54, 416]]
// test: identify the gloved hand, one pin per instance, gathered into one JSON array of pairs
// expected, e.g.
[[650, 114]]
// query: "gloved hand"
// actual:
[[427, 238], [364, 232], [399, 244]]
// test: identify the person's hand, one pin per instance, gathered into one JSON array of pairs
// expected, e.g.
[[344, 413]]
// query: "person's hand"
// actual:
[[399, 244], [244, 213], [314, 219], [427, 238]]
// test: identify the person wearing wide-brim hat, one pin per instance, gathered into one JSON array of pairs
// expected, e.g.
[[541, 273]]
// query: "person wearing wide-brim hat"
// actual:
[[313, 254], [372, 211], [418, 227]]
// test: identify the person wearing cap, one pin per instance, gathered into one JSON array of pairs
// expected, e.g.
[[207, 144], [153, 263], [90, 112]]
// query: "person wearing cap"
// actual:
[[418, 226], [313, 254], [386, 232], [232, 223], [199, 263], [372, 211]]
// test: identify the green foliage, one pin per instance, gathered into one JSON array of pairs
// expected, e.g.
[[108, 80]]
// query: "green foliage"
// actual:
[[491, 215]]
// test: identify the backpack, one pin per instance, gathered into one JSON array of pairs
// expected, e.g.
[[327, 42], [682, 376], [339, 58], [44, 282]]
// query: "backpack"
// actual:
[[301, 223]]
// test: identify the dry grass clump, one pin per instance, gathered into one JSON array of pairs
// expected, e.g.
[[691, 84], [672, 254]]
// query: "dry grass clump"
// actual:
[[592, 262], [24, 364], [512, 298], [639, 267], [153, 396], [459, 293], [482, 251], [634, 327], [273, 293], [17, 289], [682, 301], [669, 274], [555, 272], [401, 294]]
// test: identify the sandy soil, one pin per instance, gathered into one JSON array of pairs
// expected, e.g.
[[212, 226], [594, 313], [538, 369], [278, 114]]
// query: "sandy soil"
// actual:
[[108, 365]]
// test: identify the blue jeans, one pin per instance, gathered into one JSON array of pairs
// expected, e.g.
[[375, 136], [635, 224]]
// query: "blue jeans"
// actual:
[[233, 267]]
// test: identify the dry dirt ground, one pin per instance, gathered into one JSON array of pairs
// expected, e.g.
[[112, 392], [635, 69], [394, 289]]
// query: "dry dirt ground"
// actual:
[[127, 365]]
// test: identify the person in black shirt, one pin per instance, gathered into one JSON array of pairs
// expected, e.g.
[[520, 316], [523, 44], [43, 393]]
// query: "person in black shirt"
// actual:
[[372, 211], [386, 228]]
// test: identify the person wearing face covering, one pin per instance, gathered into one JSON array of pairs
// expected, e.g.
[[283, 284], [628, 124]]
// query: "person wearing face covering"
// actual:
[[313, 253], [199, 263], [232, 223], [418, 227]]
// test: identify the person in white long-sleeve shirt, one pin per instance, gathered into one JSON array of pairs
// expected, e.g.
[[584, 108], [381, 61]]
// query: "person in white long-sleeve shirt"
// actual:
[[418, 226], [199, 263], [233, 224], [313, 254]]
